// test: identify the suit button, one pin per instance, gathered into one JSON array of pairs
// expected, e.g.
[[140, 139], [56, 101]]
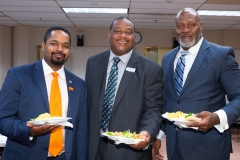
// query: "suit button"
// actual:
[[178, 102], [46, 148]]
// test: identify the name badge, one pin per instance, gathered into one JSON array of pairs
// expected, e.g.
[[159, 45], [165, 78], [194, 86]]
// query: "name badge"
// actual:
[[130, 69]]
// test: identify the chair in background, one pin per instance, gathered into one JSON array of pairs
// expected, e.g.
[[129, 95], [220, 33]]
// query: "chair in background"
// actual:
[[235, 126]]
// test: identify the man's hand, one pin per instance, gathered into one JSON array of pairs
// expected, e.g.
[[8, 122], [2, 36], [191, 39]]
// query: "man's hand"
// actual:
[[155, 150], [40, 130], [141, 145], [208, 121]]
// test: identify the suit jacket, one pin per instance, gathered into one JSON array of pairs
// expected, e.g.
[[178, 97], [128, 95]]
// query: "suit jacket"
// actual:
[[137, 106], [213, 74], [24, 96]]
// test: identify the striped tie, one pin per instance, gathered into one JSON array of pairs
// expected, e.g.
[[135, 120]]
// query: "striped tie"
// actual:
[[179, 72], [110, 94]]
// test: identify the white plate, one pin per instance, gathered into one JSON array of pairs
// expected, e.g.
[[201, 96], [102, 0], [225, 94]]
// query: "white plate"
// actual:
[[54, 120], [119, 139], [178, 120], [114, 138], [129, 140]]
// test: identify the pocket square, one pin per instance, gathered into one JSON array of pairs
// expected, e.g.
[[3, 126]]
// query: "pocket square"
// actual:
[[71, 88]]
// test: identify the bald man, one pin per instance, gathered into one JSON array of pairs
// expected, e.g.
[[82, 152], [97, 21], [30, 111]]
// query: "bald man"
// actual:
[[210, 71]]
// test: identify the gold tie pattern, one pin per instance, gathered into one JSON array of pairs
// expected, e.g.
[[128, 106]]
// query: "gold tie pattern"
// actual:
[[56, 136]]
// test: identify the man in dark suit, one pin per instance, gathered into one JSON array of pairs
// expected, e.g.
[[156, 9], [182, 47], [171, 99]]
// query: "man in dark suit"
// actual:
[[137, 100], [210, 72], [26, 93]]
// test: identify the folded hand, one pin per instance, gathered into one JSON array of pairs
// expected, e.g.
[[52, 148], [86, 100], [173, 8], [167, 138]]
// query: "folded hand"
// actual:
[[143, 144], [40, 130]]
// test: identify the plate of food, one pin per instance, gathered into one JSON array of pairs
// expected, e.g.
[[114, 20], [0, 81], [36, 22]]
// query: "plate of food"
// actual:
[[124, 137], [47, 118], [180, 117]]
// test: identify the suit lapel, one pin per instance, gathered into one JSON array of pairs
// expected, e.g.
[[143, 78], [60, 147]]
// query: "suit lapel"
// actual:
[[202, 53], [38, 72], [127, 76], [102, 78], [172, 71], [70, 89]]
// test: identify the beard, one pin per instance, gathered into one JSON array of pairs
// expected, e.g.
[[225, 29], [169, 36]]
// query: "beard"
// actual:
[[57, 61], [187, 44]]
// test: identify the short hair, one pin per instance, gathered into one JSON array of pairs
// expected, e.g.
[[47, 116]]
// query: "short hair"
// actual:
[[121, 18], [49, 31]]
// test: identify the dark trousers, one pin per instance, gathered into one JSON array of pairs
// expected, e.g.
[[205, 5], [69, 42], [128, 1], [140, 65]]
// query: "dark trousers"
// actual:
[[1, 151], [177, 153], [102, 153]]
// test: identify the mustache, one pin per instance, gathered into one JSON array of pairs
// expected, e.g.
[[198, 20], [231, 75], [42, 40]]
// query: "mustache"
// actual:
[[186, 35], [61, 53]]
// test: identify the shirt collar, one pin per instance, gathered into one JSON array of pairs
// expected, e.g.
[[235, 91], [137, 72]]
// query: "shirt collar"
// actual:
[[194, 50], [124, 58], [48, 70]]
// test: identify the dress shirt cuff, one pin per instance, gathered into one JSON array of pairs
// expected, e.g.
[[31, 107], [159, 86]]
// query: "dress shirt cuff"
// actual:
[[160, 135], [146, 147], [223, 121], [30, 135]]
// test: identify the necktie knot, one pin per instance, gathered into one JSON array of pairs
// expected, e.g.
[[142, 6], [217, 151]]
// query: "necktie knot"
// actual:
[[116, 60], [55, 74], [184, 53]]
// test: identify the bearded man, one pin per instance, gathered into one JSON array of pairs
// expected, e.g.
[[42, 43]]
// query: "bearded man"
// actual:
[[197, 75]]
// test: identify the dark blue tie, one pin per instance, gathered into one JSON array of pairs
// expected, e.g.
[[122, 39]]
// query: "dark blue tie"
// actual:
[[110, 94], [179, 70]]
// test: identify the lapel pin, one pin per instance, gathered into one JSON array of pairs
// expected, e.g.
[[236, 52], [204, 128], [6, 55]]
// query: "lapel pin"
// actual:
[[70, 81], [71, 88]]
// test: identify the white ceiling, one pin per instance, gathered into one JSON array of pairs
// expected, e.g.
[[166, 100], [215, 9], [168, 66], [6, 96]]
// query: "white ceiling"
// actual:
[[157, 14]]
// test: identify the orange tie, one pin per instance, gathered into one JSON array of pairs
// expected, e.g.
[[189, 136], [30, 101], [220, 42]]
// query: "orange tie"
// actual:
[[56, 136]]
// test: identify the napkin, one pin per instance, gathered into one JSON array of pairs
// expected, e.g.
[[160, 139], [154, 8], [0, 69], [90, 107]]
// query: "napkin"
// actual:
[[3, 140], [181, 125], [67, 124], [117, 142]]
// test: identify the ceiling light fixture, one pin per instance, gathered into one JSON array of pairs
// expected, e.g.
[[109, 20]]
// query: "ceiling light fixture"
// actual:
[[95, 10], [218, 13]]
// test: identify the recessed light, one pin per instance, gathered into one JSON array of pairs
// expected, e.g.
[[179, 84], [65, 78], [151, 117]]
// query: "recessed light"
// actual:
[[95, 10], [218, 13]]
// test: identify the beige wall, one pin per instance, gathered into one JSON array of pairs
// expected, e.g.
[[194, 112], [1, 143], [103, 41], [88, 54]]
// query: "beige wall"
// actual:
[[232, 38], [24, 48], [98, 37], [5, 51], [25, 39]]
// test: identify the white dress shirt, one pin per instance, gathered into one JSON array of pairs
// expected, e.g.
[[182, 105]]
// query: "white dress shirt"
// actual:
[[121, 67], [122, 64], [190, 57], [63, 89]]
